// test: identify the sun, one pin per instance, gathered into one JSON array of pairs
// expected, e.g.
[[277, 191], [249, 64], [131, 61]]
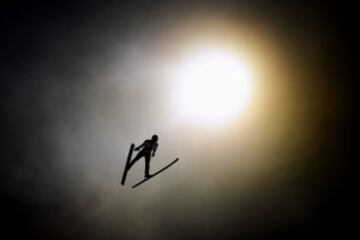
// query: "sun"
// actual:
[[212, 86]]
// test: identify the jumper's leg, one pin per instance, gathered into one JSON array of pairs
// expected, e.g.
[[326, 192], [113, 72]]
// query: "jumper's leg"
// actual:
[[147, 165]]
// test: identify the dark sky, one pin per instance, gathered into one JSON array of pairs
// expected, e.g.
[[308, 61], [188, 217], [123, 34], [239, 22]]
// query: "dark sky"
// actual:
[[66, 123]]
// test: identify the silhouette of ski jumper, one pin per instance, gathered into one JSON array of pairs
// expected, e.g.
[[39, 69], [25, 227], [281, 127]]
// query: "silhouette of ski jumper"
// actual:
[[148, 149]]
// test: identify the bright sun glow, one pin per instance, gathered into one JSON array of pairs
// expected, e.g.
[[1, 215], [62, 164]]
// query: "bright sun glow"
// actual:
[[212, 86]]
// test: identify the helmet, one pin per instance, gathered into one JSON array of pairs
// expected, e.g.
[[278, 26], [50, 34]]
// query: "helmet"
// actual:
[[155, 137]]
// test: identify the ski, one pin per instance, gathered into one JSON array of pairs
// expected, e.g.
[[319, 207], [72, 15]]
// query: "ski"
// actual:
[[131, 150], [156, 173]]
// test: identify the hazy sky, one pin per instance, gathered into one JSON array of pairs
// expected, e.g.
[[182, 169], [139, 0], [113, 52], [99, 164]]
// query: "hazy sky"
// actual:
[[81, 82]]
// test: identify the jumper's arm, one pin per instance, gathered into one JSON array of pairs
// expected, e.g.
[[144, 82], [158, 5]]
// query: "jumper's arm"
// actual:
[[154, 149]]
